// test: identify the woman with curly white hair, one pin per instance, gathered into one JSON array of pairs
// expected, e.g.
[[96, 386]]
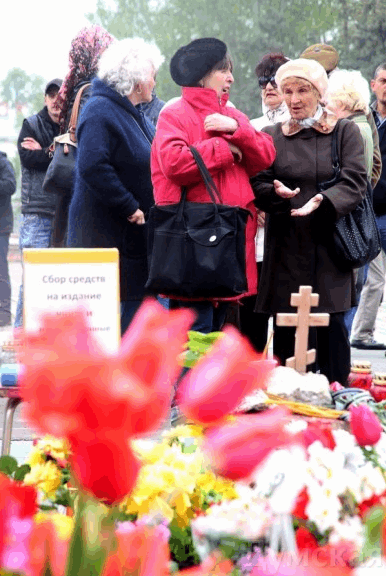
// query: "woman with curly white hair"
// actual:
[[348, 96], [113, 190]]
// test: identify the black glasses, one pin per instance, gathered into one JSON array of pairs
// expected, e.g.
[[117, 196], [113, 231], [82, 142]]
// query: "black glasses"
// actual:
[[264, 80]]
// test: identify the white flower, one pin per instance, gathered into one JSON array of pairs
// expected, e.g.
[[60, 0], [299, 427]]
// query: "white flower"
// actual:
[[351, 529], [324, 507], [281, 478]]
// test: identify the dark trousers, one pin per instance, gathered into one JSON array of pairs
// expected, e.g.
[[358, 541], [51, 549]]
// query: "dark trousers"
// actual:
[[331, 343], [209, 318], [254, 325], [5, 285]]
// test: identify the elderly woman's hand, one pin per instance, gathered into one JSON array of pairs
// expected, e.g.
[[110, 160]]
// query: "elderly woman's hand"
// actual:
[[284, 191], [220, 123], [309, 207], [137, 218], [237, 154]]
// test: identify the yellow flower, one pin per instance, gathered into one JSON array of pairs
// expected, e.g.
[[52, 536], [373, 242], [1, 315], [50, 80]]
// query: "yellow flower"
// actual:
[[184, 431], [64, 525], [35, 457], [172, 482], [45, 477], [57, 448]]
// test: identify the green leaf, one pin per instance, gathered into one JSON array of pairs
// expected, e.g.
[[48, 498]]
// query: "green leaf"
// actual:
[[190, 358], [373, 530], [22, 471], [8, 465]]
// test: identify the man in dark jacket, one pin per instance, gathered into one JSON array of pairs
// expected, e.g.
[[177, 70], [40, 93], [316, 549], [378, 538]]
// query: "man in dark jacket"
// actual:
[[38, 207], [7, 188], [371, 297]]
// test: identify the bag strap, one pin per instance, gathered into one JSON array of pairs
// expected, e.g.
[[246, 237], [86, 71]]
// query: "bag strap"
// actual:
[[75, 113], [208, 180], [334, 149]]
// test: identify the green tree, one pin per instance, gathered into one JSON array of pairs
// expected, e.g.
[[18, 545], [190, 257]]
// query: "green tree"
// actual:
[[250, 30], [19, 89]]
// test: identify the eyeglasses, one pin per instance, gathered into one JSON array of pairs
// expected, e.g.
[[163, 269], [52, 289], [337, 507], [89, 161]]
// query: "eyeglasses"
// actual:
[[264, 80]]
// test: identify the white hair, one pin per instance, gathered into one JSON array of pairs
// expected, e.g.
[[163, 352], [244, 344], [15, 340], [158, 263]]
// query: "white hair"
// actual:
[[349, 88], [126, 63]]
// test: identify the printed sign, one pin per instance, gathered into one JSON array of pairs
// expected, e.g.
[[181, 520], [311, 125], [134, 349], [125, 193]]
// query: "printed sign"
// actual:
[[59, 280]]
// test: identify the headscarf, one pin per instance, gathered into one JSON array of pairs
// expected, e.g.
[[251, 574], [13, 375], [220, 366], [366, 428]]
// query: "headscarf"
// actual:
[[86, 49]]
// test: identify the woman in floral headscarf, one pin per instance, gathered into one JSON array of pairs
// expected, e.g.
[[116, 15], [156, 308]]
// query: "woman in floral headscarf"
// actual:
[[86, 49]]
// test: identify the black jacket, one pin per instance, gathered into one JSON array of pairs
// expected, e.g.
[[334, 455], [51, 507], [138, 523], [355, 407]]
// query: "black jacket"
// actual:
[[379, 194], [7, 188], [34, 164]]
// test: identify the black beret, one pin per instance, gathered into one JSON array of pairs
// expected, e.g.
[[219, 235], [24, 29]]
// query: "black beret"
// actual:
[[192, 62]]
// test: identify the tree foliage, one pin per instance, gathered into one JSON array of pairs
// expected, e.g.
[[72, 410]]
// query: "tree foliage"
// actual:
[[357, 28], [19, 89]]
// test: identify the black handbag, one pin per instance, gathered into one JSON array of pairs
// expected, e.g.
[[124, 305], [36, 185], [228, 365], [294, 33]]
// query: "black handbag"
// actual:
[[59, 177], [197, 250], [356, 239]]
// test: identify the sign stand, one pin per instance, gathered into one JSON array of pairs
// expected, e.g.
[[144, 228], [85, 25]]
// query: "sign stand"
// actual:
[[61, 280]]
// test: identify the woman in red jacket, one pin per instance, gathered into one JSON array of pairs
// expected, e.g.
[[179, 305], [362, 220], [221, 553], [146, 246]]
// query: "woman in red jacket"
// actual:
[[230, 147]]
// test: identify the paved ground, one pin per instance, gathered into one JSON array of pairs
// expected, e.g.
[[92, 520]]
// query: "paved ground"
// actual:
[[22, 435]]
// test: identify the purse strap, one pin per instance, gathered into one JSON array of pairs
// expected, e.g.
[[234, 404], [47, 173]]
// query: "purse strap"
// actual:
[[208, 180], [75, 113], [334, 150], [209, 184]]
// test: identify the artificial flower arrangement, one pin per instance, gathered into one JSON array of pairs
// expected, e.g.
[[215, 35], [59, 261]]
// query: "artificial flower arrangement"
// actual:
[[129, 496]]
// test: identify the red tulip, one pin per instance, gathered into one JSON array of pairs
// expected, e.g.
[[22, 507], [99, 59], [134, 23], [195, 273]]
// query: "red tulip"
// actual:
[[365, 425], [105, 466], [149, 351], [68, 390], [237, 448], [48, 547], [141, 551], [222, 378], [18, 504], [73, 390], [302, 500], [213, 565], [321, 433], [305, 540]]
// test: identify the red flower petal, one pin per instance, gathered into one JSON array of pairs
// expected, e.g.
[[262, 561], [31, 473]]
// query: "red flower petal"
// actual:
[[365, 425], [305, 540], [222, 378], [321, 432], [106, 467], [237, 448], [302, 500], [141, 551]]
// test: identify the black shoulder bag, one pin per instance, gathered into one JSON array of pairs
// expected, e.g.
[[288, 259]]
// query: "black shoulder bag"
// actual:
[[197, 250], [356, 236], [59, 177]]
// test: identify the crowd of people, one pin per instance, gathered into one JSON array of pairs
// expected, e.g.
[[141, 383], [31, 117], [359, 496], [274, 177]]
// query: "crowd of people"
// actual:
[[134, 152]]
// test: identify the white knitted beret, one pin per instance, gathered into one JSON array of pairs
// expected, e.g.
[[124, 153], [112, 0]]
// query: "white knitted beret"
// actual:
[[309, 70]]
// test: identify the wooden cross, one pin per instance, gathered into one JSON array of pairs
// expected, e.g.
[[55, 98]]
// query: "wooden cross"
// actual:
[[302, 321]]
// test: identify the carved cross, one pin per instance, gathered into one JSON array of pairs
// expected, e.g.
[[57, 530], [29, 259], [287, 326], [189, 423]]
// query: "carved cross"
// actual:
[[302, 321]]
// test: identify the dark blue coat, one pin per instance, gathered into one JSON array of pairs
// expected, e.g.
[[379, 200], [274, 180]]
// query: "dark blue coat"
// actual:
[[112, 180]]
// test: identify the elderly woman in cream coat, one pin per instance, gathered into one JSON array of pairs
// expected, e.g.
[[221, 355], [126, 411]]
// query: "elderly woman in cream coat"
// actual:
[[299, 245]]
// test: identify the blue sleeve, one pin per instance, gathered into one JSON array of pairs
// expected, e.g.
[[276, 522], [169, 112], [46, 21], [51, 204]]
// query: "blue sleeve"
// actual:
[[97, 140]]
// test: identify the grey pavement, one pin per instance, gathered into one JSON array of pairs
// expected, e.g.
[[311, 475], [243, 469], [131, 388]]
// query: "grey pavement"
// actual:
[[22, 435]]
